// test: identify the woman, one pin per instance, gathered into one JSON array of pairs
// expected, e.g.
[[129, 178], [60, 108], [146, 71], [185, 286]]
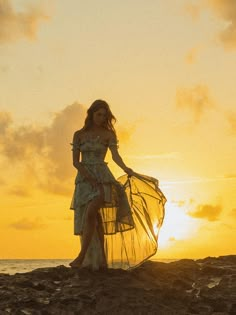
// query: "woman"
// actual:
[[115, 229]]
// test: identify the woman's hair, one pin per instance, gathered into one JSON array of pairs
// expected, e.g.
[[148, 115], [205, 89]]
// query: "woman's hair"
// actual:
[[110, 118]]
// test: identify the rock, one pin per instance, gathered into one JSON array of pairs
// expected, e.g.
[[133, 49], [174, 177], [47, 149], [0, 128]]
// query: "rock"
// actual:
[[205, 286]]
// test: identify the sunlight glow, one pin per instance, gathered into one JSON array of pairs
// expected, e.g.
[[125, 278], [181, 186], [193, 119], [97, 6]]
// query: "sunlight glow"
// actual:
[[177, 225]]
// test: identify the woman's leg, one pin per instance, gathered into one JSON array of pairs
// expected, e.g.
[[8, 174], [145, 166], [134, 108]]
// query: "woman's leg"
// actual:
[[89, 227], [100, 231]]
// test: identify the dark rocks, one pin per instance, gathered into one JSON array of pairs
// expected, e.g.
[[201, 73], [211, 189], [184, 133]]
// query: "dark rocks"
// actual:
[[205, 286]]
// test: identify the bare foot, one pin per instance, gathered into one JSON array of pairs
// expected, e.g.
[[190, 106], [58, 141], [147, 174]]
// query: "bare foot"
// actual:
[[104, 265], [76, 263]]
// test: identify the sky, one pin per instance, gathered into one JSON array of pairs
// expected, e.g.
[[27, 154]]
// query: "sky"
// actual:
[[168, 71]]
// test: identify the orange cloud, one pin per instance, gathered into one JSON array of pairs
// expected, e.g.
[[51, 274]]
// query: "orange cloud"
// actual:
[[196, 99], [42, 154], [225, 10], [5, 121], [15, 25], [20, 191], [208, 212], [26, 224]]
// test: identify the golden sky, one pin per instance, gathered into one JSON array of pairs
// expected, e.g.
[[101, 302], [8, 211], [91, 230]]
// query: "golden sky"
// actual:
[[168, 71]]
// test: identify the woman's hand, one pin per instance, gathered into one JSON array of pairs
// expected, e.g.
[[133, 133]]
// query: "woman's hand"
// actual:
[[129, 171]]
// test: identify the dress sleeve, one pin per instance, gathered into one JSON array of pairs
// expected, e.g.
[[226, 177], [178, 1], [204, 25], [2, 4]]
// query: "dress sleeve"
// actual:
[[75, 146], [113, 142]]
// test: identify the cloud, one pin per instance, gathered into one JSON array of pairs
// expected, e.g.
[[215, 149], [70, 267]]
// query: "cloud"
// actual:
[[180, 203], [231, 118], [5, 121], [58, 138], [208, 212], [26, 224], [42, 154], [183, 203], [225, 10], [16, 25], [56, 218], [20, 191], [196, 99]]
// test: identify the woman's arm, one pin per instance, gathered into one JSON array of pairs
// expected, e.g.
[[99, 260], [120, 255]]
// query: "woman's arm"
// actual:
[[113, 146]]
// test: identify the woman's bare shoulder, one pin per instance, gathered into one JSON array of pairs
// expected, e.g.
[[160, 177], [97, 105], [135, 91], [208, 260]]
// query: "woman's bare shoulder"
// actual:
[[78, 134], [111, 134]]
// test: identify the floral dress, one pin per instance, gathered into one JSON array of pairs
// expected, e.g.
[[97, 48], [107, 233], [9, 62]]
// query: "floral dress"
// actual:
[[127, 220]]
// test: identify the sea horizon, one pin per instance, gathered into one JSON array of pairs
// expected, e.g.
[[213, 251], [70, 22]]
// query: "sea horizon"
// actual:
[[20, 265]]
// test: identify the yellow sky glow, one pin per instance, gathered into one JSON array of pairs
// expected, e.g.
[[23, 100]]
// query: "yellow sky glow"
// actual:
[[168, 71]]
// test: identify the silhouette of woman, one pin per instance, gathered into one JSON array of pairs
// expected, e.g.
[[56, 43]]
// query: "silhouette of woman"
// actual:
[[117, 220]]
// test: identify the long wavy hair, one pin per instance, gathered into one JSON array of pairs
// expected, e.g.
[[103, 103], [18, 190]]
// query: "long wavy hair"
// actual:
[[110, 118]]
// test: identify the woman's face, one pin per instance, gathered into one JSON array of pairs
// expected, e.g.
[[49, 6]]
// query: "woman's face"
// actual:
[[99, 117]]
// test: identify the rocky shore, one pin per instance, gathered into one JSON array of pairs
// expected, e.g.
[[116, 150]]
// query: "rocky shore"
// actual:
[[204, 286]]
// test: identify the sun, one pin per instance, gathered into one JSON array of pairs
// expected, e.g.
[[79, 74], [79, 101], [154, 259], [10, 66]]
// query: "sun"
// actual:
[[177, 225]]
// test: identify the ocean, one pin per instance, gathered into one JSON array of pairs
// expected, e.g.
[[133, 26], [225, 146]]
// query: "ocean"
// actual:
[[13, 266]]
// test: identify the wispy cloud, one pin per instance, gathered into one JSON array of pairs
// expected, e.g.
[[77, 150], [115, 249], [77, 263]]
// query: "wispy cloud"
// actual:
[[170, 155], [27, 224], [5, 121], [206, 211], [20, 191], [179, 203], [196, 99], [225, 11], [16, 25]]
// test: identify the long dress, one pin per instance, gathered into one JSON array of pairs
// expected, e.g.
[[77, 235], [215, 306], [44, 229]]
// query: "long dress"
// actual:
[[131, 215]]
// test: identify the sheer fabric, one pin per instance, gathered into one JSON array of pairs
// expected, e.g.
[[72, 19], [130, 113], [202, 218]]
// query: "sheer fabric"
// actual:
[[147, 202], [131, 216]]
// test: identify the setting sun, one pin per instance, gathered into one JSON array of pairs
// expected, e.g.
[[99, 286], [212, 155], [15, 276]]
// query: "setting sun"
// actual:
[[177, 226]]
